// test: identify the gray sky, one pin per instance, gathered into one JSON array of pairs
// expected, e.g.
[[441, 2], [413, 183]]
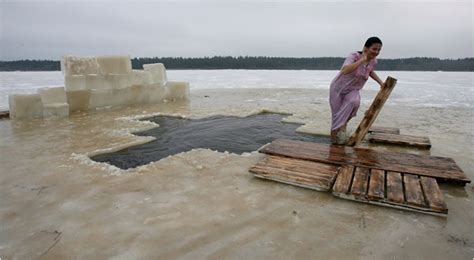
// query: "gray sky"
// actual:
[[51, 29]]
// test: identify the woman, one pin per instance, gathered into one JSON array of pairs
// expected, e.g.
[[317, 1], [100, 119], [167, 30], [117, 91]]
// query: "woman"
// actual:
[[344, 96]]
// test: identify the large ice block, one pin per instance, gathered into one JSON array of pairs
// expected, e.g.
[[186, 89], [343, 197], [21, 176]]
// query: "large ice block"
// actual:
[[95, 81], [72, 65], [117, 81], [115, 64], [55, 110], [25, 106], [52, 95], [141, 77], [138, 94], [157, 92], [78, 100], [101, 98], [54, 101], [75, 82], [157, 71], [177, 90]]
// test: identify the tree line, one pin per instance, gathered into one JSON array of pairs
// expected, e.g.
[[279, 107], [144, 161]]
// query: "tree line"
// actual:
[[270, 63]]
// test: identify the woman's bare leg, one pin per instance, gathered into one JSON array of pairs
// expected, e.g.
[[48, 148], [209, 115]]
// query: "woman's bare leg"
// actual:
[[344, 127]]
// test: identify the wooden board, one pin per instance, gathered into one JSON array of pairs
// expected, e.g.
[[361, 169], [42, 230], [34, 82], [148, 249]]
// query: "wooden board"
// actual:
[[441, 168], [360, 182], [4, 114], [404, 191], [395, 187], [434, 196], [344, 179], [413, 192], [307, 174], [376, 185], [397, 139], [373, 111], [386, 130]]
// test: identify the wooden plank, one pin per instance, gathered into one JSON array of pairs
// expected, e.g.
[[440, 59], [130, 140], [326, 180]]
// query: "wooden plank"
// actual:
[[359, 184], [303, 166], [413, 192], [372, 112], [344, 179], [441, 168], [433, 194], [397, 139], [381, 129], [395, 187], [313, 175], [376, 185], [4, 114]]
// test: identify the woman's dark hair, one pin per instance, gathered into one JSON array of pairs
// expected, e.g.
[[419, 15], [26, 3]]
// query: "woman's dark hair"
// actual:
[[372, 40]]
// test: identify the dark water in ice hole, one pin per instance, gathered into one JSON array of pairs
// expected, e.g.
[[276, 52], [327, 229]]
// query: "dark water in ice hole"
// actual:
[[220, 133]]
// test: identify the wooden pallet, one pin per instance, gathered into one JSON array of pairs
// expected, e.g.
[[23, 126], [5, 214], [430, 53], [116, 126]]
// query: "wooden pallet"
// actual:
[[398, 139], [441, 168], [302, 173], [390, 189]]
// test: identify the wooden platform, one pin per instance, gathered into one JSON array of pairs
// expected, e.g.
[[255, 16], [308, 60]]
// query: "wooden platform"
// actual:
[[302, 173], [441, 168], [390, 189], [398, 139], [404, 181]]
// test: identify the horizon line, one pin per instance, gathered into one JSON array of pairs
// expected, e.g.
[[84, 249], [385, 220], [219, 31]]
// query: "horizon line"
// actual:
[[247, 56]]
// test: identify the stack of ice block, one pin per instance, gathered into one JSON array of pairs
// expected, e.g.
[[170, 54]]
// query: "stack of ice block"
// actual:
[[25, 106], [97, 82], [54, 102], [48, 102], [112, 82]]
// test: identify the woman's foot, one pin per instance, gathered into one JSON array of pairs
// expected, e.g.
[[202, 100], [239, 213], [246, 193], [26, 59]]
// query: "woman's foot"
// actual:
[[334, 136]]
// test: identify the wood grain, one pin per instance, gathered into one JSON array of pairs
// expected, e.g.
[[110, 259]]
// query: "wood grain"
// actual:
[[376, 185], [441, 168], [313, 175], [373, 111], [413, 192], [405, 140], [433, 194], [395, 187], [360, 182], [344, 179]]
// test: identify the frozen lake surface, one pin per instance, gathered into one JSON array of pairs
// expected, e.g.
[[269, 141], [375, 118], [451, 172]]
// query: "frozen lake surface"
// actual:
[[204, 203], [418, 89]]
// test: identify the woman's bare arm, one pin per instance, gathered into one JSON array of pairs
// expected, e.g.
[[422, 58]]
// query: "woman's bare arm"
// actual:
[[376, 78]]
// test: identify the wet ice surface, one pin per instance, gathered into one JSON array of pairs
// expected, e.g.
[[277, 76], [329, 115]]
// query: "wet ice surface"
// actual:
[[219, 133], [414, 88], [57, 203]]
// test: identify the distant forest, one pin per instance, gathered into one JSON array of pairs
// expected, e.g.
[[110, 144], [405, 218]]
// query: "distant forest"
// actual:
[[268, 63]]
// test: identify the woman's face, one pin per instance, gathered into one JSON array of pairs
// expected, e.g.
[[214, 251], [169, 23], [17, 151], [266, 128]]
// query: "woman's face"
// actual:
[[373, 51]]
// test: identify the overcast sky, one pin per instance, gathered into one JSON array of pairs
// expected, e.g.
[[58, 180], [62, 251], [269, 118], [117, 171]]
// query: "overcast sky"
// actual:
[[51, 29]]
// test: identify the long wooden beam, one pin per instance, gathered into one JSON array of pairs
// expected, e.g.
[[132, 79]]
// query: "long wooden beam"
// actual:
[[372, 112]]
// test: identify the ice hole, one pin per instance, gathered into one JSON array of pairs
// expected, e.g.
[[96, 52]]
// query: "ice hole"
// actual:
[[220, 133]]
